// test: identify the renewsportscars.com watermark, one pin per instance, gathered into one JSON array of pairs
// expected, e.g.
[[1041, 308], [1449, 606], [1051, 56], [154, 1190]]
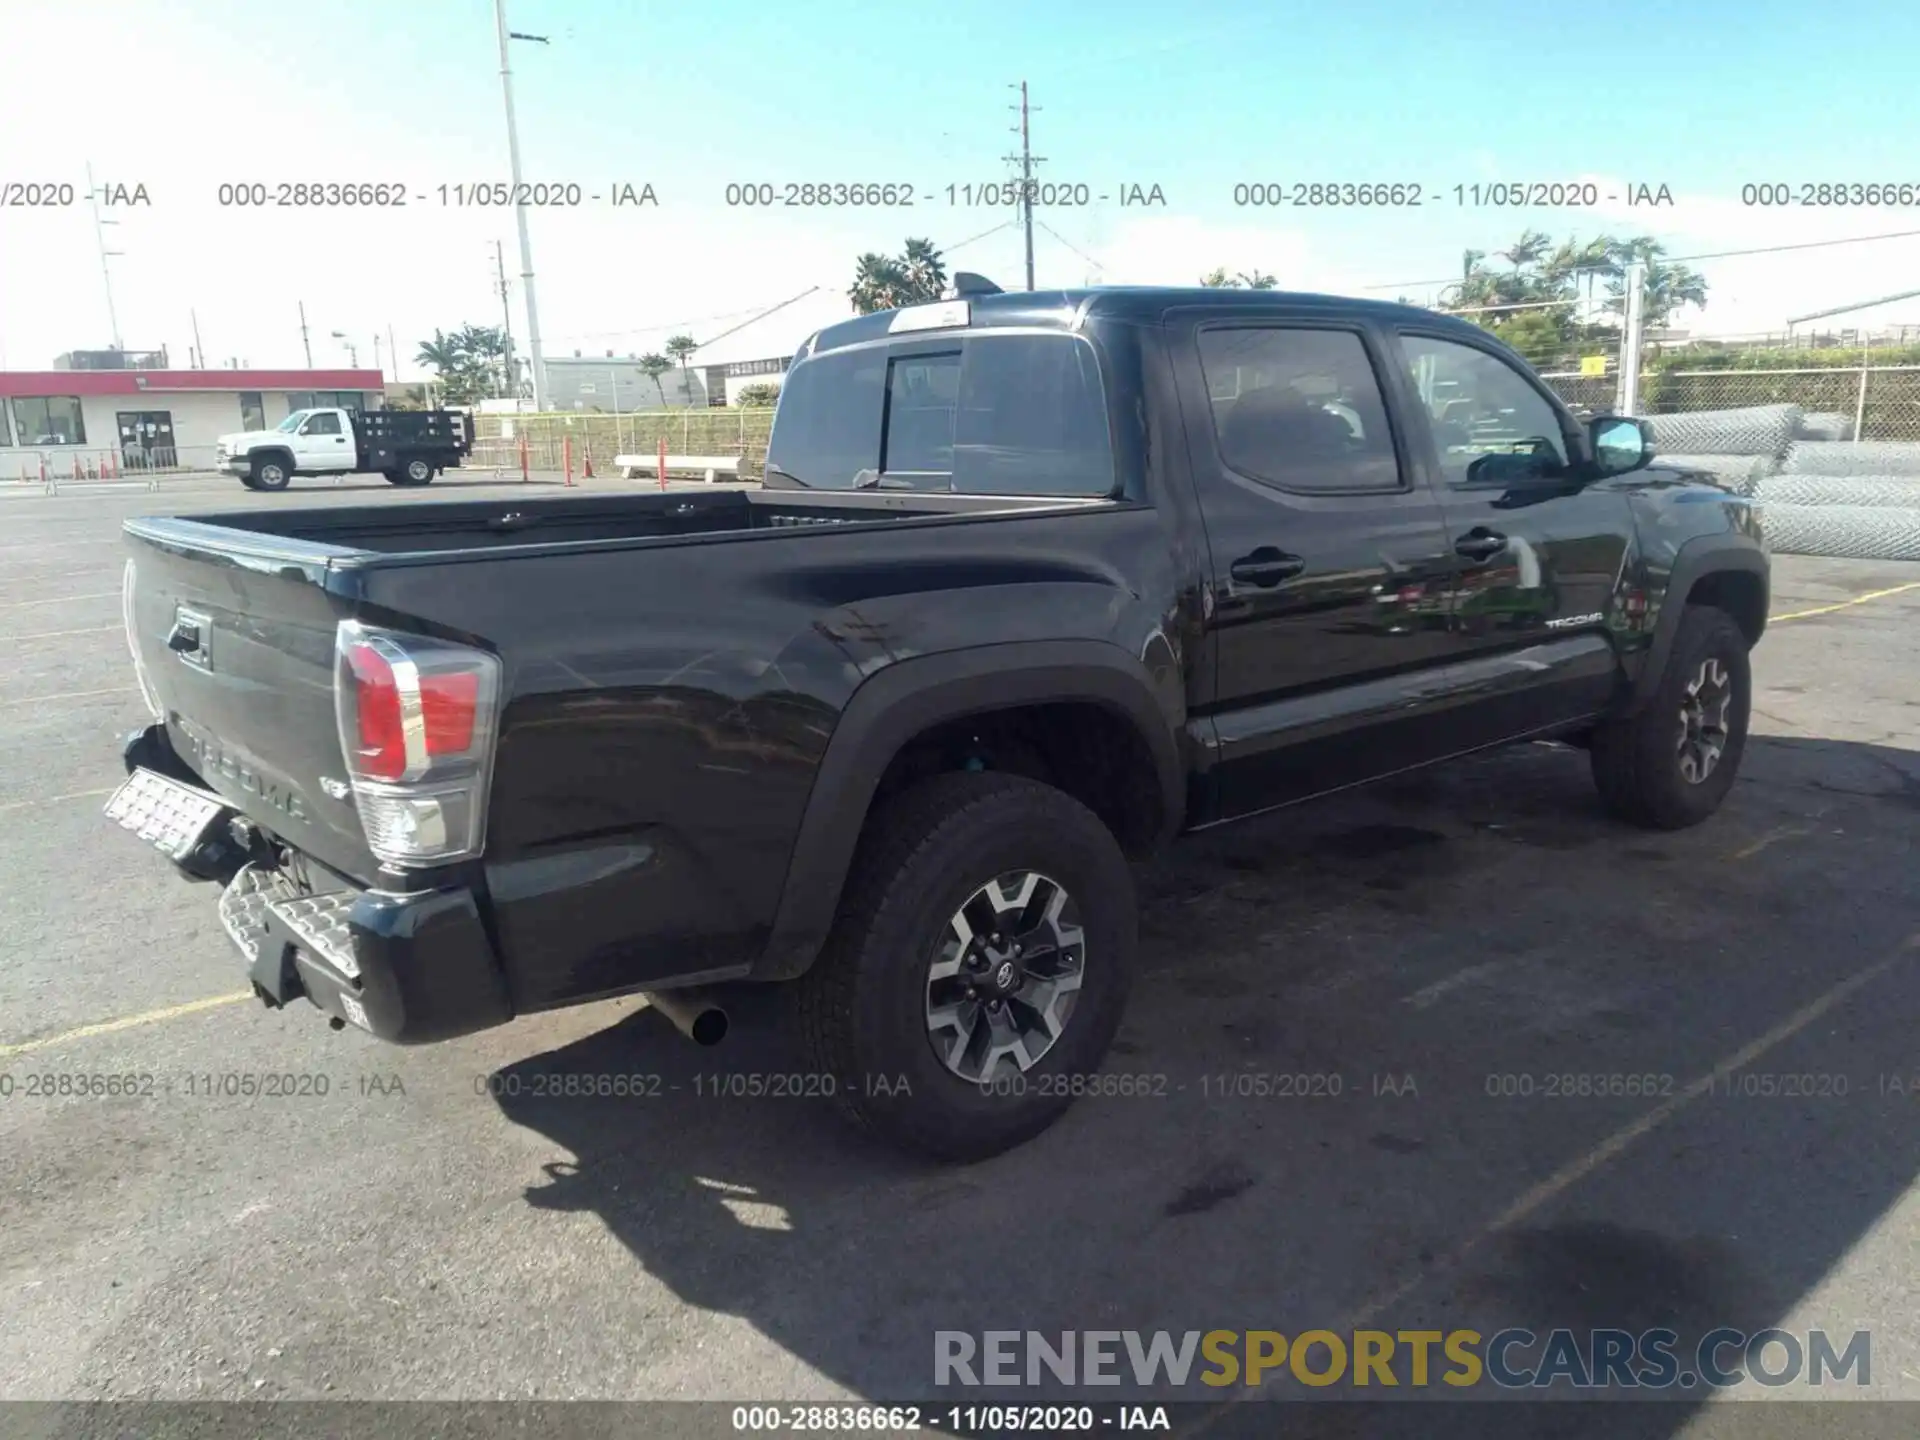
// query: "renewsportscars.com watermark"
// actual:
[[1512, 1359]]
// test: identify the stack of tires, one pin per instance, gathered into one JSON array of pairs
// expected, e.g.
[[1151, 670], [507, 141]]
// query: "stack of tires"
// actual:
[[1821, 491]]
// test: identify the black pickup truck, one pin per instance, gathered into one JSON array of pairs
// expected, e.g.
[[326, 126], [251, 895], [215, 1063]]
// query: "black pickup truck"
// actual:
[[1035, 583]]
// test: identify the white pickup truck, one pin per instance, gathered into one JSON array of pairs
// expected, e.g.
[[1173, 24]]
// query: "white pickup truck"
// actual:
[[409, 447]]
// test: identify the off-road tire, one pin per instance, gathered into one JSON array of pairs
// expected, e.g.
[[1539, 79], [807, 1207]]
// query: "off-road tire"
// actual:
[[862, 1006], [1636, 759]]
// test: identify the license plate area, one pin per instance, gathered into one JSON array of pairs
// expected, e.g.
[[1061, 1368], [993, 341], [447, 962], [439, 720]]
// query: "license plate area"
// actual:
[[174, 818]]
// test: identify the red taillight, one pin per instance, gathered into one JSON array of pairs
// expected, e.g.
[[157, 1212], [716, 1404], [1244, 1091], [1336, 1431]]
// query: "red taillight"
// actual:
[[389, 690], [382, 751], [447, 707], [418, 718]]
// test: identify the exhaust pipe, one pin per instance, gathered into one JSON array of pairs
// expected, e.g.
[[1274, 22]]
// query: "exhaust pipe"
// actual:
[[696, 1013]]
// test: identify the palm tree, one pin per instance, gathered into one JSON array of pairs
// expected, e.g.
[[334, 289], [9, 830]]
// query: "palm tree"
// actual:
[[681, 348], [877, 283], [1527, 250], [653, 366], [916, 276], [440, 354], [1669, 286], [924, 271]]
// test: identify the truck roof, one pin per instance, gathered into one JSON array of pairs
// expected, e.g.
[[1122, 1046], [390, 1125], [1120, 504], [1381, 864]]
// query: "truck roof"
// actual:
[[1067, 310]]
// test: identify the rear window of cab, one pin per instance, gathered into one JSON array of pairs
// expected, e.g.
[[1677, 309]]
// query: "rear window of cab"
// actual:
[[971, 413]]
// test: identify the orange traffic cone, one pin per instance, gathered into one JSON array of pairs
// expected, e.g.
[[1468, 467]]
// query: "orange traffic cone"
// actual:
[[586, 464]]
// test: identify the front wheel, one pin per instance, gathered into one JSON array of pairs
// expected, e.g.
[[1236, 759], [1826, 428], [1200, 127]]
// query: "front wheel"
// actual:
[[271, 475], [1670, 765], [979, 966]]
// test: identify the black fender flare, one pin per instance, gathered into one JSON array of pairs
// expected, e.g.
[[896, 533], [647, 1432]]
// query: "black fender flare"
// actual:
[[905, 699], [1701, 556]]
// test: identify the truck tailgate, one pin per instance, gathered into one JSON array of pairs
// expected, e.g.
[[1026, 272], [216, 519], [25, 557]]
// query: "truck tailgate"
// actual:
[[238, 651]]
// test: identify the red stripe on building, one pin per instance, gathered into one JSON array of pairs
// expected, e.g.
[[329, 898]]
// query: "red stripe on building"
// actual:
[[161, 382]]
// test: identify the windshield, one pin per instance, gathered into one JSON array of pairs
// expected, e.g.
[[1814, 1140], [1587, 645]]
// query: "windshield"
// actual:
[[292, 422]]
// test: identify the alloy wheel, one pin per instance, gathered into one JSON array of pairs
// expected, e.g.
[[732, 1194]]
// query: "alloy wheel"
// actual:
[[1703, 720], [1004, 982]]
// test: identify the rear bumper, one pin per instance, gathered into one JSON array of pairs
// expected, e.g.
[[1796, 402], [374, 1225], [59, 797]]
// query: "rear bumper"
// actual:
[[407, 968]]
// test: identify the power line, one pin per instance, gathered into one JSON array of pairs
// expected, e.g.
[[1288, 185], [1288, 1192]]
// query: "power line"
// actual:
[[1805, 245], [1706, 255], [1098, 265], [990, 230], [654, 327], [757, 318]]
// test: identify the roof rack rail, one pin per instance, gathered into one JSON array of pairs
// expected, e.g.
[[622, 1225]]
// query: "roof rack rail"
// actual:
[[965, 282]]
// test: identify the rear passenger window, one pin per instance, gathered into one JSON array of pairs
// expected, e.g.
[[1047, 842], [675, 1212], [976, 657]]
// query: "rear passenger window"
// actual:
[[1300, 409], [1000, 415]]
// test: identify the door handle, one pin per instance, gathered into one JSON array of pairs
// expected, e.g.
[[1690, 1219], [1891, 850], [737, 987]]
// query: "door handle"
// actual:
[[1480, 544], [1266, 566]]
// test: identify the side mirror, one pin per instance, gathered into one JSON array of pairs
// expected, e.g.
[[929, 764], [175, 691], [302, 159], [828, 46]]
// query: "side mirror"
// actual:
[[1619, 444]]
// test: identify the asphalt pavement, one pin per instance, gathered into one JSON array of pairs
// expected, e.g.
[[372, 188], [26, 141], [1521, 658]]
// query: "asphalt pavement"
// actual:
[[1355, 1052]]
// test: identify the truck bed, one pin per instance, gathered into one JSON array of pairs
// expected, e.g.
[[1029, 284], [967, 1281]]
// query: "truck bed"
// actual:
[[350, 535]]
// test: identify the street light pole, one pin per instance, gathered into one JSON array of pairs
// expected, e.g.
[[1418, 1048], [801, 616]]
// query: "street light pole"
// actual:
[[520, 214]]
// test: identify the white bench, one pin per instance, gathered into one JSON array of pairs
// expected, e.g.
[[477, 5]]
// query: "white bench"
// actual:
[[644, 467]]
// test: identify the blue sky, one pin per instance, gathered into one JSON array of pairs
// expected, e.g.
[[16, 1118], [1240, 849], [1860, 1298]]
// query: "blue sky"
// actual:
[[1702, 96]]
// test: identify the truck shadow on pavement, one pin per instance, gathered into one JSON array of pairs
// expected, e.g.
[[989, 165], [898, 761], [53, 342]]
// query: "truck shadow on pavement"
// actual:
[[1448, 955]]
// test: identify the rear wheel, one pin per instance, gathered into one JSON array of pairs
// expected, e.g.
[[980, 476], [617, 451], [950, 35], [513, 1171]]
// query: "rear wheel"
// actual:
[[272, 474], [415, 472], [979, 966], [1670, 765]]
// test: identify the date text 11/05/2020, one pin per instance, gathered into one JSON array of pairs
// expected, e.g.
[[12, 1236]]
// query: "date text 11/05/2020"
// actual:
[[1413, 195]]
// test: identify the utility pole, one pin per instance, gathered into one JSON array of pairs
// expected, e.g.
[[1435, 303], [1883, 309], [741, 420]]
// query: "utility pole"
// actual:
[[376, 358], [305, 344], [506, 320], [393, 351], [1632, 336], [100, 239], [199, 350], [520, 209], [1027, 160]]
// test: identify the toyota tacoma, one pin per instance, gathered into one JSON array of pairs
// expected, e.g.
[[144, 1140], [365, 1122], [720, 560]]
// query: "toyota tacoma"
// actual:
[[1034, 583]]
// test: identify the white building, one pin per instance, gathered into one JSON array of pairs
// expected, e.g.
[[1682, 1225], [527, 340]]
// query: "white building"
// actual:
[[101, 420], [754, 354]]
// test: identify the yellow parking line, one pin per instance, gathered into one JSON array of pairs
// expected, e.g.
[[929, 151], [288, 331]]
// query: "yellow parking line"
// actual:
[[1570, 1174], [62, 634], [127, 1022], [71, 695], [1779, 832], [1856, 600], [54, 799], [58, 599]]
